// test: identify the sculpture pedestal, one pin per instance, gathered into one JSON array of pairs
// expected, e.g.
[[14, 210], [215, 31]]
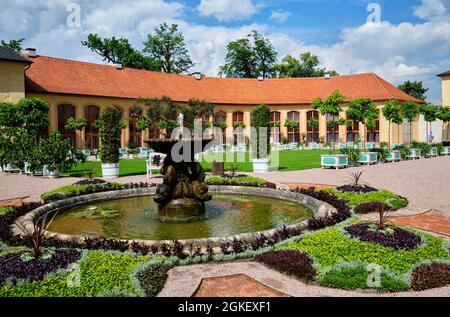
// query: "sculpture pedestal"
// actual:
[[182, 209]]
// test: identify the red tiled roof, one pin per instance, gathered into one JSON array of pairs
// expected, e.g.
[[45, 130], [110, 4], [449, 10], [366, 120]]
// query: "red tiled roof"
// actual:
[[54, 75]]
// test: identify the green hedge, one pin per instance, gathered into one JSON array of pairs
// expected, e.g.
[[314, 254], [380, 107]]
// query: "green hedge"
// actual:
[[236, 180], [72, 190]]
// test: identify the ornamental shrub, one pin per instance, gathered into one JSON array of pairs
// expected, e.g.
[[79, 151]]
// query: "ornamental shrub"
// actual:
[[153, 278], [110, 132], [261, 124]]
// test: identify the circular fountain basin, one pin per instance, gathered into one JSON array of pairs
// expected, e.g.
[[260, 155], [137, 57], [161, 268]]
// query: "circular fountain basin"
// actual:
[[137, 218], [234, 212]]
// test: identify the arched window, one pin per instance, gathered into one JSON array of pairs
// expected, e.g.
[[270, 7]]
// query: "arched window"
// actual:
[[220, 118], [312, 129], [373, 134], [353, 131], [294, 134], [65, 112], [92, 136], [275, 118], [332, 128], [238, 124], [135, 135]]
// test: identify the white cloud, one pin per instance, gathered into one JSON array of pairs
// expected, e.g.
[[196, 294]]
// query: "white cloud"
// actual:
[[280, 16], [396, 52], [430, 9], [227, 10]]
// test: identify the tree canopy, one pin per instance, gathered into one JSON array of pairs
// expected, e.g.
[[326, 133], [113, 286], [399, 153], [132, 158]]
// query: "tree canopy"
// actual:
[[414, 89], [120, 51], [307, 66], [249, 57], [14, 45], [167, 47]]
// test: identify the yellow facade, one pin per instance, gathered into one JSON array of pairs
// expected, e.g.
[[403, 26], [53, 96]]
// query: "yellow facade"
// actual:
[[12, 88], [12, 81], [81, 102], [446, 100]]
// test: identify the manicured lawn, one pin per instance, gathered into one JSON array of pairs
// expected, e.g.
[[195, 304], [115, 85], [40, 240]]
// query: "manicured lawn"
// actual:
[[288, 161]]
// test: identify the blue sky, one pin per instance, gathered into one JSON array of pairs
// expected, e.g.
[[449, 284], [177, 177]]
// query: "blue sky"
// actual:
[[410, 42]]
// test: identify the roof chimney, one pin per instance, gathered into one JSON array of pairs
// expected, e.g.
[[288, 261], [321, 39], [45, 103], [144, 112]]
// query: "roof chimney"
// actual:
[[119, 66], [197, 75], [327, 76], [31, 52]]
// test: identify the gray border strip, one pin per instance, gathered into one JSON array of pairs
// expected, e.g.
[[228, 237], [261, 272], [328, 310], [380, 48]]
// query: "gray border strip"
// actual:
[[320, 210]]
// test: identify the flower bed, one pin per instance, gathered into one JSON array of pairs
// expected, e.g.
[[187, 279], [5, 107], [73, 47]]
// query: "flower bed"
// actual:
[[354, 199], [395, 238], [360, 189], [291, 262], [85, 189], [17, 266], [344, 262], [153, 278], [240, 180], [371, 207], [432, 275]]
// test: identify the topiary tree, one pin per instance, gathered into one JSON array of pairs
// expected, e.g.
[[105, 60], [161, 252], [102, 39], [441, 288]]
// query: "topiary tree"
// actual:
[[430, 114], [76, 125], [444, 115], [110, 125], [261, 126], [410, 111], [332, 106], [392, 111], [365, 111]]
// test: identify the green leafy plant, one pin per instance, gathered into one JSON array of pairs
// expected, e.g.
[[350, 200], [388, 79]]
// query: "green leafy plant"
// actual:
[[383, 196], [405, 151], [410, 111], [365, 111], [57, 153], [331, 106], [291, 124], [353, 154], [76, 125], [261, 126], [392, 111], [110, 133]]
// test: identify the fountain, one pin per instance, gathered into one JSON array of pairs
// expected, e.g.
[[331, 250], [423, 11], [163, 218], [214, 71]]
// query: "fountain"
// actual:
[[183, 194]]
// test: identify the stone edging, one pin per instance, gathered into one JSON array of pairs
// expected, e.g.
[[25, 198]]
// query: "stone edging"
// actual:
[[320, 210]]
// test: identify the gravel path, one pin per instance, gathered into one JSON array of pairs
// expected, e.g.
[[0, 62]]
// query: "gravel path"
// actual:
[[183, 282]]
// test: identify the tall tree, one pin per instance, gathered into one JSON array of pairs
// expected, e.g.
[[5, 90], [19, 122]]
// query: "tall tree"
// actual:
[[14, 45], [249, 57], [410, 111], [166, 45], [332, 106], [414, 89], [307, 66], [365, 111], [197, 109], [392, 111], [120, 51]]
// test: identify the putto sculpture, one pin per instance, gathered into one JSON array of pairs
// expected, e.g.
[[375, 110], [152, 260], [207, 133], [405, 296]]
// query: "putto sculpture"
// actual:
[[183, 193]]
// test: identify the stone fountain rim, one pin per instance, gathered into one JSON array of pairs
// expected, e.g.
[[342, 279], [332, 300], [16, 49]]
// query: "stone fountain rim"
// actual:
[[319, 208]]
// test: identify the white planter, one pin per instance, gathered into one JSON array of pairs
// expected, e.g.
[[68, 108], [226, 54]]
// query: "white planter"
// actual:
[[433, 153], [110, 170], [131, 156], [415, 154], [49, 174], [334, 160], [368, 158], [446, 150], [394, 156], [261, 165]]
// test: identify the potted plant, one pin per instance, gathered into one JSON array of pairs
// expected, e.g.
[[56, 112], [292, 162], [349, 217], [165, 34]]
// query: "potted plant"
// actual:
[[261, 138], [331, 106], [110, 132], [55, 154], [365, 111], [76, 125], [392, 111]]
